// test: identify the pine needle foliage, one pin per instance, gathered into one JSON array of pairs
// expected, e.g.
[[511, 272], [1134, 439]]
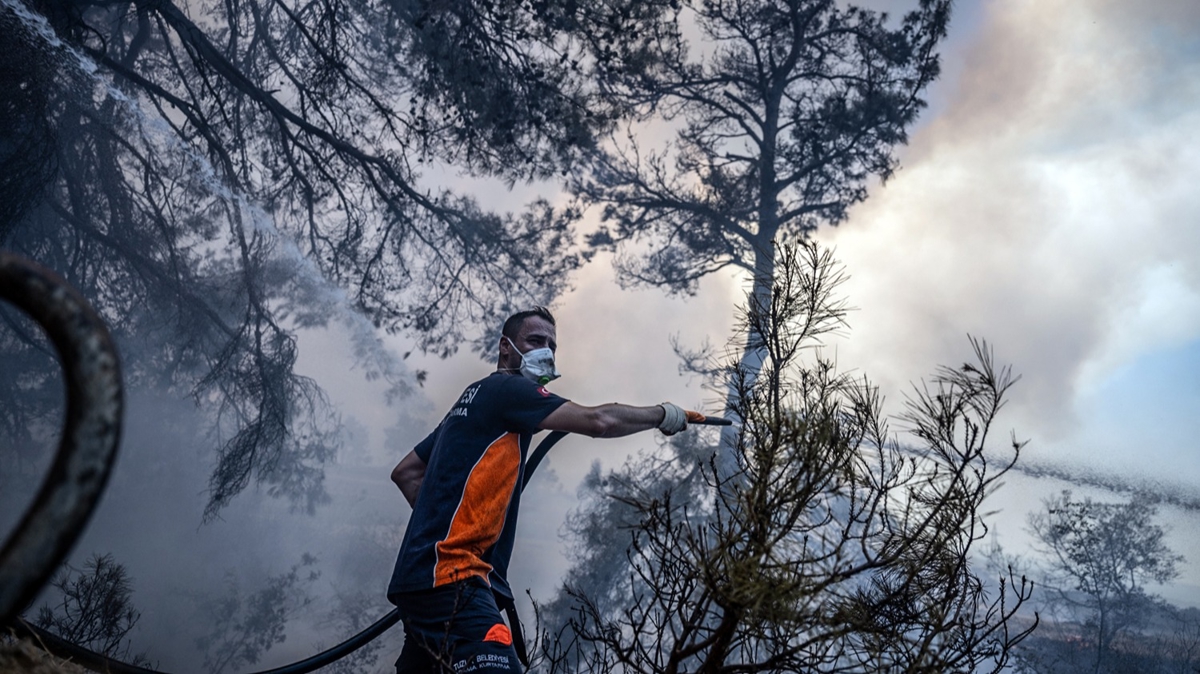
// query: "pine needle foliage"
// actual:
[[839, 546]]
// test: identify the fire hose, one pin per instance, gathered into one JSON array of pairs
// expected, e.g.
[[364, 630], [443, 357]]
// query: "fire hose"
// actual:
[[88, 447]]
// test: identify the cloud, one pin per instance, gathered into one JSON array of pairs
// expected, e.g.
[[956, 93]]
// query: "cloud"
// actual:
[[1050, 207]]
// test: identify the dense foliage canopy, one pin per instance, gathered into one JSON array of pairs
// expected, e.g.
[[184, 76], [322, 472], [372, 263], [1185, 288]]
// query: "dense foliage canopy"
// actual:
[[215, 176]]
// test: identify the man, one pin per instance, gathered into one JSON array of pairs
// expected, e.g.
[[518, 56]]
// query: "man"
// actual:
[[464, 484]]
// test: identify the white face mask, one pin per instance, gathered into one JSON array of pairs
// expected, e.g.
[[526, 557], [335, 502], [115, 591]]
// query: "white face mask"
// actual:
[[537, 365]]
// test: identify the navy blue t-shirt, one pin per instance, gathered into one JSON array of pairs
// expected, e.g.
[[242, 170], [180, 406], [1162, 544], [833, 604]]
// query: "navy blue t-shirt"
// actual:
[[464, 521]]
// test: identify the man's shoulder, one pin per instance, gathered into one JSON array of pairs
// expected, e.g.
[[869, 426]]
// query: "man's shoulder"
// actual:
[[496, 381], [496, 388], [514, 388]]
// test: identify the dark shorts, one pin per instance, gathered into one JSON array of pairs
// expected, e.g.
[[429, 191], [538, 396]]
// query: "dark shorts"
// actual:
[[454, 628]]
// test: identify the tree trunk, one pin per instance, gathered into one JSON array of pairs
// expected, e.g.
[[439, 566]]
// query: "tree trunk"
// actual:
[[750, 364], [1100, 645]]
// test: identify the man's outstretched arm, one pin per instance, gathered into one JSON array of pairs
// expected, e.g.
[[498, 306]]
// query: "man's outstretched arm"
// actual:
[[408, 475], [612, 420]]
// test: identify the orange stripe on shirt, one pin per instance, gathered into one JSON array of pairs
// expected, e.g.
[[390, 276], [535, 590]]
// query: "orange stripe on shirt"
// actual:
[[479, 518]]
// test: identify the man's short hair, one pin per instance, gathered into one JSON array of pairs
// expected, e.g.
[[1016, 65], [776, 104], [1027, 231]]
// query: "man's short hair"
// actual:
[[512, 326]]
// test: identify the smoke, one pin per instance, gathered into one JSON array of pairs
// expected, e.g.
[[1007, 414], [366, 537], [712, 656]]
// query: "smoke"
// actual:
[[149, 520], [1050, 208], [1180, 495]]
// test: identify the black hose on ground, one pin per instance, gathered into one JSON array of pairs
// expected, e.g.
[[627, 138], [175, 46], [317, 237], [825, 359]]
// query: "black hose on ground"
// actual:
[[99, 663]]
